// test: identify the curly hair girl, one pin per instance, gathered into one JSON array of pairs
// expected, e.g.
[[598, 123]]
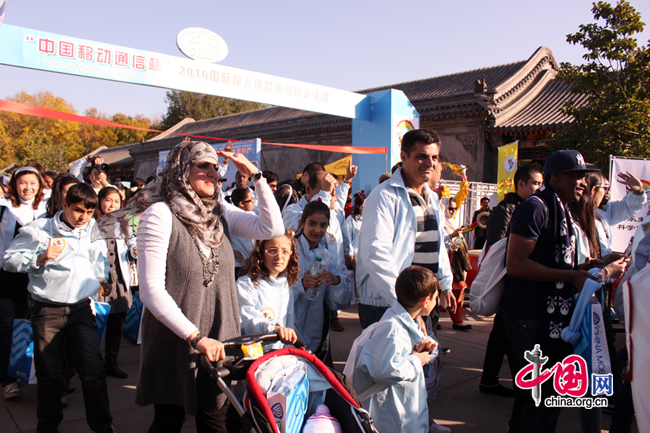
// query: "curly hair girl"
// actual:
[[256, 268]]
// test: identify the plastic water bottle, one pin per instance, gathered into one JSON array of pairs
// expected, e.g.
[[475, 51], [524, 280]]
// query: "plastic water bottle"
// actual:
[[316, 269]]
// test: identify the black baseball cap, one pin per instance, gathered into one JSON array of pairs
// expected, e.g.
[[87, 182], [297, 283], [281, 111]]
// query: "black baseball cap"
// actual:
[[564, 161]]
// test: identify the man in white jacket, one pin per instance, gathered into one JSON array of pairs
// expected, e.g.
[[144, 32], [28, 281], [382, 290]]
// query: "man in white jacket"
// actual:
[[403, 226]]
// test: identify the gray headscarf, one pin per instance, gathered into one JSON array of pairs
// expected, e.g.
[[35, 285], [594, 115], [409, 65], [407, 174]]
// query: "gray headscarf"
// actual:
[[201, 216]]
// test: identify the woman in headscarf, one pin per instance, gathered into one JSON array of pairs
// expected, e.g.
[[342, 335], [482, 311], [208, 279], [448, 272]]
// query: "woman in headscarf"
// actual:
[[186, 271]]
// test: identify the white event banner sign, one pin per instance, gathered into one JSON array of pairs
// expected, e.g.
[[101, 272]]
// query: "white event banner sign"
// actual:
[[623, 231], [56, 53]]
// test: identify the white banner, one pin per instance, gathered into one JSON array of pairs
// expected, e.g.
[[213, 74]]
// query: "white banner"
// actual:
[[35, 49], [623, 231]]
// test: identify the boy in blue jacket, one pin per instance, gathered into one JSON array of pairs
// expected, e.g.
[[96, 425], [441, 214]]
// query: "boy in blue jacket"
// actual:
[[65, 270], [389, 363]]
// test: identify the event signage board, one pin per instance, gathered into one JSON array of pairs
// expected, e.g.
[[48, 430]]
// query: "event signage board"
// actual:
[[202, 44], [622, 231], [252, 149], [56, 53]]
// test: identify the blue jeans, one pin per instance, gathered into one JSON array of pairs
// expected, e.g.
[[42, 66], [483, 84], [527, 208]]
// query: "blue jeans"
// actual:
[[57, 325], [369, 314]]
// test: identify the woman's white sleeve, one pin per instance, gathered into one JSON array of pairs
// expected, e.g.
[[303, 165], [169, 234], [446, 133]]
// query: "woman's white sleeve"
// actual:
[[268, 225], [154, 232]]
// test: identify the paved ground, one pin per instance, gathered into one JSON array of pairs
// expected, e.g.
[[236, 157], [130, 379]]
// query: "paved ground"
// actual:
[[459, 404]]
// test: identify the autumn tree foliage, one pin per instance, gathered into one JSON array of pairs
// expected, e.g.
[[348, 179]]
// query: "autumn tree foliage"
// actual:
[[55, 143]]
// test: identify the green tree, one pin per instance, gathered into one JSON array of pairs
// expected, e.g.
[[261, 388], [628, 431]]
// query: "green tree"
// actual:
[[616, 79], [201, 107]]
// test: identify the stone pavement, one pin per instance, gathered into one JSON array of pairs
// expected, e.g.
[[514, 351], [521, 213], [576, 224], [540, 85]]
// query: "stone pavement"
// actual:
[[459, 404]]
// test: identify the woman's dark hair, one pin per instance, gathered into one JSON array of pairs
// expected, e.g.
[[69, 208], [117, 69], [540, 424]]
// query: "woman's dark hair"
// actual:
[[102, 194], [312, 208], [13, 190], [283, 193], [55, 203], [254, 266], [584, 211], [37, 166], [359, 199], [239, 195], [315, 207], [82, 193]]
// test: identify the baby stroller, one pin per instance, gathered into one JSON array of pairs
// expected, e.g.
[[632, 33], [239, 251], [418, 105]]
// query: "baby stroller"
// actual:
[[314, 382]]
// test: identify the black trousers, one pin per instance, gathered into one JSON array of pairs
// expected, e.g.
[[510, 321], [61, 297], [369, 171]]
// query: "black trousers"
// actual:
[[523, 335], [72, 324], [497, 347], [169, 418]]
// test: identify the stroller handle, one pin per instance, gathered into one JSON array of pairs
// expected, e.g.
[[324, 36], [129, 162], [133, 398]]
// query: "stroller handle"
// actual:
[[224, 367], [258, 338]]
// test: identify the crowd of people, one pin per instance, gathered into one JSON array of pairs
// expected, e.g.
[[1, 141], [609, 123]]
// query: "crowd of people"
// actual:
[[284, 257]]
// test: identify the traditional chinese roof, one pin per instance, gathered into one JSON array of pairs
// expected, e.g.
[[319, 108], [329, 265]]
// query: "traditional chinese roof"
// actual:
[[542, 111]]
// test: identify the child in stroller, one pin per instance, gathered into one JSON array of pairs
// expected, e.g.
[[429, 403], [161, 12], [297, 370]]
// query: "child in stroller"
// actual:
[[315, 384]]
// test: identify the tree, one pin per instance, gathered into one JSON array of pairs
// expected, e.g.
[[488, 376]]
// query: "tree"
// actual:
[[616, 79], [51, 142], [200, 107]]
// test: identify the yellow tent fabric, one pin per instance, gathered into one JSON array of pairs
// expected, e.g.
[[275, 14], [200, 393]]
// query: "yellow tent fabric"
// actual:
[[507, 169], [340, 167]]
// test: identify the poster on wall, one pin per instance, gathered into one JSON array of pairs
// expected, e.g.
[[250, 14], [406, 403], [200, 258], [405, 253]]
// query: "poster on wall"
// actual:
[[622, 231]]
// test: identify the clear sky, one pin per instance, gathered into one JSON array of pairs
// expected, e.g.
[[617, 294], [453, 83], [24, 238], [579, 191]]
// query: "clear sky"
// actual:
[[350, 45]]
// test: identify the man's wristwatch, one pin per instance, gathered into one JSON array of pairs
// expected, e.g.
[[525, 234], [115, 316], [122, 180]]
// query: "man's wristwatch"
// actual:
[[194, 341], [257, 176]]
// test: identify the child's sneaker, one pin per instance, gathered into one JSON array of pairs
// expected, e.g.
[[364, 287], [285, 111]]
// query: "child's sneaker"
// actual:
[[11, 391], [437, 428]]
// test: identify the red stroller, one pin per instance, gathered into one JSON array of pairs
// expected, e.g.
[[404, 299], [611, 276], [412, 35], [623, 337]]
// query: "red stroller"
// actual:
[[325, 387]]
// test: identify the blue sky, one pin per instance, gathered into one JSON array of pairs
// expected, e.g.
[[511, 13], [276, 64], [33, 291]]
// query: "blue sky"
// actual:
[[349, 45]]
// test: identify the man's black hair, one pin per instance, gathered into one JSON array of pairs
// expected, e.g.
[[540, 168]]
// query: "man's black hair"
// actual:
[[82, 193], [314, 181], [313, 167], [526, 172], [270, 176], [418, 136], [484, 199]]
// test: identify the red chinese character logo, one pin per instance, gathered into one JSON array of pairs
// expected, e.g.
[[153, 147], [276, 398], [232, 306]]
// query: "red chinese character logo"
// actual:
[[85, 52], [139, 62], [45, 46], [66, 49], [122, 59], [103, 56], [570, 376]]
